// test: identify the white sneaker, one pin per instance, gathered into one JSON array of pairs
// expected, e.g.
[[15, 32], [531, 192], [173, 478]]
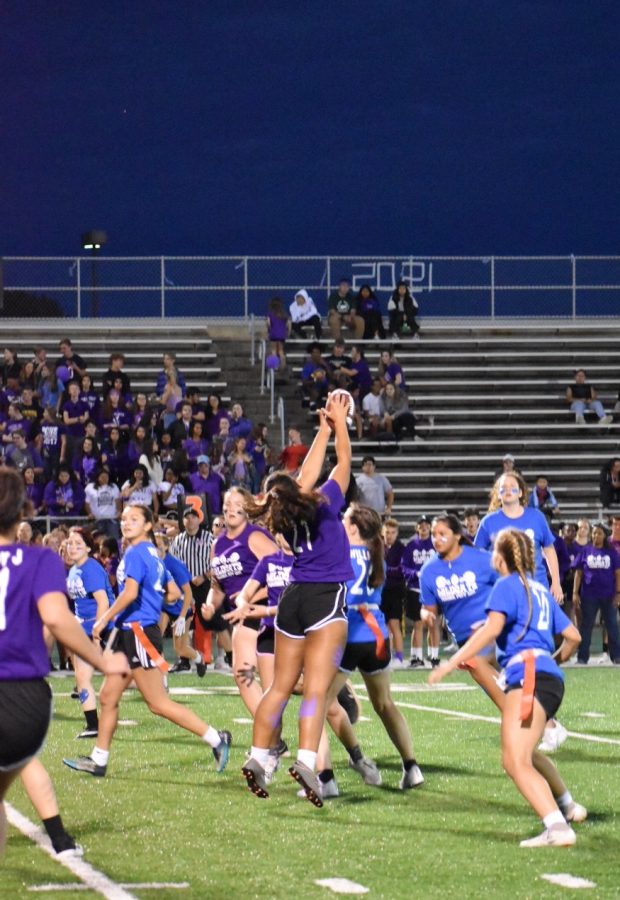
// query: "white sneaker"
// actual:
[[556, 836], [71, 852], [412, 778], [576, 813], [399, 663], [271, 766], [367, 768], [580, 420], [606, 420], [553, 738], [329, 789]]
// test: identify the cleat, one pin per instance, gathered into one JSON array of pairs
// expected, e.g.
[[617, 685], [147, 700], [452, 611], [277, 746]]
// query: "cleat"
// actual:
[[308, 781], [74, 852], [434, 661], [329, 789], [181, 665], [411, 779], [556, 836], [254, 774], [86, 764], [282, 749], [272, 765], [415, 662], [201, 668], [553, 738], [576, 813], [88, 733], [367, 768], [75, 694], [222, 751]]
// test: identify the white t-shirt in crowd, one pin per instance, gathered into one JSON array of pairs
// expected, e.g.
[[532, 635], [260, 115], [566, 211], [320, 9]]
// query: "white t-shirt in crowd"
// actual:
[[102, 500], [141, 497]]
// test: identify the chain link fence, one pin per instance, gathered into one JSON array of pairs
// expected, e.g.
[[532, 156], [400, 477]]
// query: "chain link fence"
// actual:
[[227, 286]]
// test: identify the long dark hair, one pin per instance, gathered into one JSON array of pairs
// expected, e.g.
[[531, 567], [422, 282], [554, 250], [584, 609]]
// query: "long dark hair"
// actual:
[[12, 498], [148, 517], [284, 504], [455, 525], [369, 526]]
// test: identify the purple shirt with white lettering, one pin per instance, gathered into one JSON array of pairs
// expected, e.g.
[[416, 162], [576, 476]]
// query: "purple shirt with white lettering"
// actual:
[[415, 554], [232, 561], [322, 548], [26, 574], [273, 572], [598, 565]]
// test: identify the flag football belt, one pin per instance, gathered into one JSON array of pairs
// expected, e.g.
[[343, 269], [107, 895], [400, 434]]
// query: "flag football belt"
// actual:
[[528, 658], [152, 652], [365, 611]]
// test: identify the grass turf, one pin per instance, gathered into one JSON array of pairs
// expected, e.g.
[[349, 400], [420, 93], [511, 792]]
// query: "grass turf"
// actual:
[[162, 813]]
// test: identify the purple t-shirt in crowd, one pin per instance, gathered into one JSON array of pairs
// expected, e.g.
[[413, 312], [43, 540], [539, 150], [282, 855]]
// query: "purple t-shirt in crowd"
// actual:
[[278, 327], [598, 565], [394, 578], [415, 554], [232, 561], [322, 548], [26, 574], [212, 486], [73, 411], [392, 371]]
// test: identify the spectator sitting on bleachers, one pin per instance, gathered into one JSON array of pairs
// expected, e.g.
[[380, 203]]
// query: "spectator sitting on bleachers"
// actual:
[[397, 417], [339, 364], [11, 366], [34, 490], [294, 453], [342, 310], [141, 411], [543, 498], [198, 410], [240, 426], [27, 376], [169, 370], [127, 399], [16, 422], [69, 359], [180, 429], [370, 310], [114, 454], [359, 373], [207, 482], [390, 370], [304, 314], [315, 376], [508, 466], [581, 395], [170, 489], [610, 483], [115, 370], [240, 466], [139, 490], [102, 502], [21, 455], [195, 445], [86, 461], [115, 415], [374, 415], [63, 495], [151, 460], [402, 309], [135, 447], [215, 413]]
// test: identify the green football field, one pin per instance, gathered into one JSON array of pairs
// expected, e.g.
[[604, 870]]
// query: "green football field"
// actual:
[[162, 816]]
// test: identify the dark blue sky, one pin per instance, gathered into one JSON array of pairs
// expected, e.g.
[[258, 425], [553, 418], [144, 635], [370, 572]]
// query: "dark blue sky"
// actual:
[[428, 126]]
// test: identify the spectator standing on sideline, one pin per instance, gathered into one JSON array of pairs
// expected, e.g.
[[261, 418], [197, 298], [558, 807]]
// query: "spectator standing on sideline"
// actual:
[[393, 593], [374, 490], [305, 314], [581, 396], [597, 587], [342, 310], [417, 552]]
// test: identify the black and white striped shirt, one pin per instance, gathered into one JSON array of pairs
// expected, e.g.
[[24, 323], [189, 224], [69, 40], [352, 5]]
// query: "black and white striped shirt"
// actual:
[[193, 551]]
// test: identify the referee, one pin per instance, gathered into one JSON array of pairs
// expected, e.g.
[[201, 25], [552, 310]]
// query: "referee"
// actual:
[[193, 547]]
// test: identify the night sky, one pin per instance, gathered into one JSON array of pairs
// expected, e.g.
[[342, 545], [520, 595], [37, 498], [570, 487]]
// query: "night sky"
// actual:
[[447, 126]]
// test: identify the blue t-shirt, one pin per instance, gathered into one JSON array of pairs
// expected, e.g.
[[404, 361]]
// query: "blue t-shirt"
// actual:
[[531, 521], [180, 574], [510, 598], [459, 589], [142, 563], [322, 548], [82, 582], [358, 592]]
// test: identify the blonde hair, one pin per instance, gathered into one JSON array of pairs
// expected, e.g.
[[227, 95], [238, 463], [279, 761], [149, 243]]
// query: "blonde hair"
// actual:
[[517, 551], [495, 502]]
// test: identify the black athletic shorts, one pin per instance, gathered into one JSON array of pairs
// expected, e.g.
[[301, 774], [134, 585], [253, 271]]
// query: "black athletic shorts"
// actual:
[[126, 642], [25, 713], [549, 692], [252, 624], [216, 623], [392, 603], [266, 642], [364, 657], [412, 606], [309, 606]]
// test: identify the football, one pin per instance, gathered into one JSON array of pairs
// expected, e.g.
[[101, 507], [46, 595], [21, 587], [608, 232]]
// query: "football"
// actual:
[[351, 412]]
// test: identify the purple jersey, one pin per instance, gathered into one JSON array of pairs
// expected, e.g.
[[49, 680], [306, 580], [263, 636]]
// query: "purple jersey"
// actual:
[[394, 579], [273, 572], [322, 548], [232, 561], [26, 574], [415, 554], [278, 327], [598, 565]]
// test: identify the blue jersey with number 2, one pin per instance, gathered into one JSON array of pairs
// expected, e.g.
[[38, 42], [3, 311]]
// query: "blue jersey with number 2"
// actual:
[[358, 592]]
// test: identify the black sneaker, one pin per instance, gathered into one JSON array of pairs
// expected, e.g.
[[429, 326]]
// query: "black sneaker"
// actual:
[[282, 749], [75, 694], [222, 751], [434, 661], [86, 764], [415, 662], [201, 668], [181, 665]]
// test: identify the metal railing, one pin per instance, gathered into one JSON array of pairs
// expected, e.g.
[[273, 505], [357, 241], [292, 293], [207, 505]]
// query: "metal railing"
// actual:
[[472, 286]]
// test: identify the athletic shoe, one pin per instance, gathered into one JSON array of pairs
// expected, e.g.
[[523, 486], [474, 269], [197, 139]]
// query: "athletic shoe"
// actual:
[[556, 836], [399, 663], [282, 749], [553, 738], [181, 665], [254, 774], [74, 852], [272, 765], [415, 662], [575, 813], [411, 779], [86, 764], [346, 699], [201, 668], [221, 665], [434, 661], [367, 768], [308, 781], [606, 420], [75, 694], [222, 751], [88, 733], [329, 789], [580, 420]]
